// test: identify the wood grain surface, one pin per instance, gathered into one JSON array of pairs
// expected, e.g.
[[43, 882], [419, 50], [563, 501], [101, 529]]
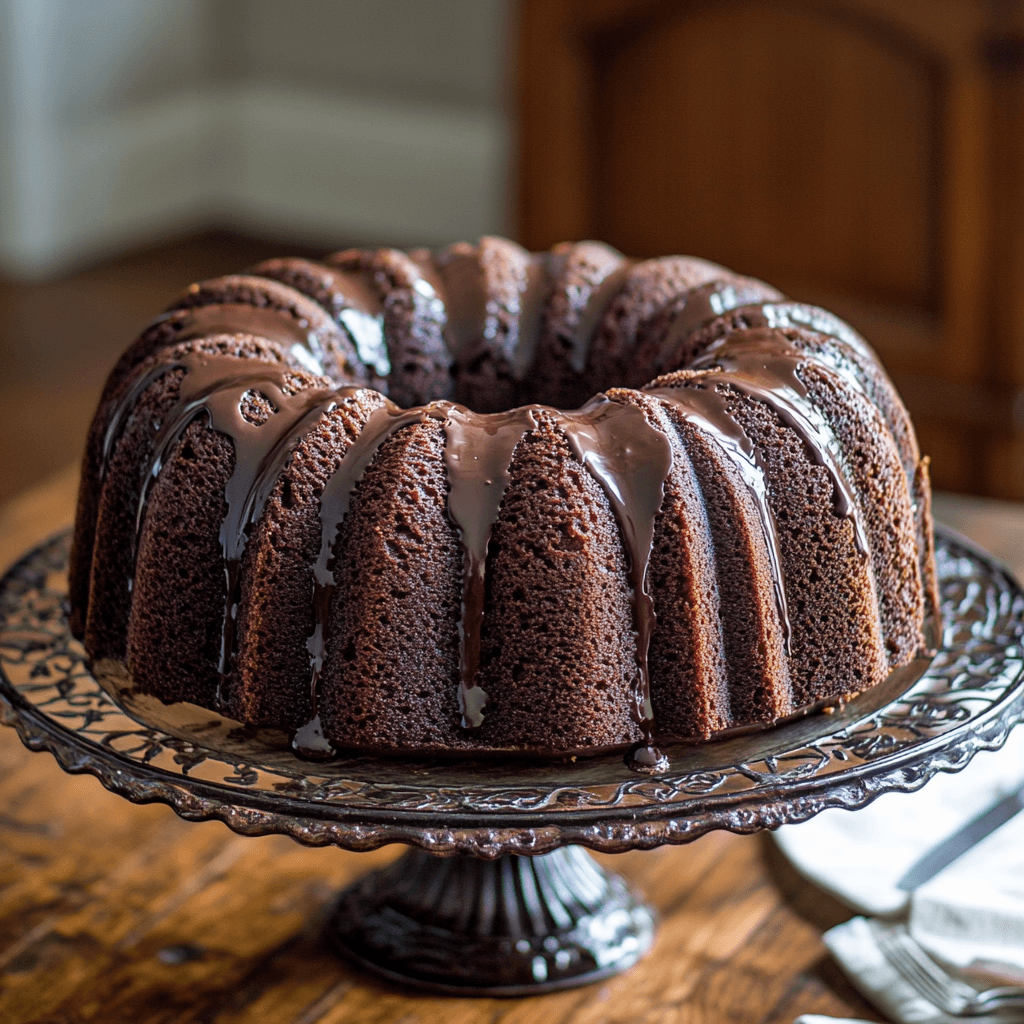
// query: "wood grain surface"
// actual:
[[112, 912]]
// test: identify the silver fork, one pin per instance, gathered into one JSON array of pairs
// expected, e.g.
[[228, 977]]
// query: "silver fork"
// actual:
[[949, 994]]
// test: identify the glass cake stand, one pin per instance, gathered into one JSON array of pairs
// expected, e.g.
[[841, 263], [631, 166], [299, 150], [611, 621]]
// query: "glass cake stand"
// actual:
[[497, 895]]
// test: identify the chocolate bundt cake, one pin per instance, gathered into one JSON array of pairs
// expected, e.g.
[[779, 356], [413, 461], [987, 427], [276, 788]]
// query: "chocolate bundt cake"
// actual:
[[483, 501]]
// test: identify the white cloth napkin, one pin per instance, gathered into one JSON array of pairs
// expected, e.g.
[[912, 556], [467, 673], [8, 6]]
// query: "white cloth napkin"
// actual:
[[854, 947], [969, 917], [859, 856], [817, 1018]]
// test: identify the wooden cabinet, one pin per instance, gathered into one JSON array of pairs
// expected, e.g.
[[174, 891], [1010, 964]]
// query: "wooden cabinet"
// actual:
[[864, 154]]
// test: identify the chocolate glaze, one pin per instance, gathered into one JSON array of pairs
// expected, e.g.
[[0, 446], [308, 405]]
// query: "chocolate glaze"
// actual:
[[704, 303], [631, 460], [459, 279], [779, 315], [598, 302], [265, 322], [356, 306], [478, 454], [310, 742], [532, 296], [334, 502], [414, 319], [367, 334], [348, 296], [856, 363], [765, 366], [708, 409], [215, 386], [238, 317], [304, 344]]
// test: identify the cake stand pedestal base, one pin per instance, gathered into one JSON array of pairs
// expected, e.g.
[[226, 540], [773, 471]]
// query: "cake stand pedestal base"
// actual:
[[512, 926], [486, 920]]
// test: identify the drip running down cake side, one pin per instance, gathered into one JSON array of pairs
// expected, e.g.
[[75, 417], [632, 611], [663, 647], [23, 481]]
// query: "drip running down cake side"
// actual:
[[488, 502]]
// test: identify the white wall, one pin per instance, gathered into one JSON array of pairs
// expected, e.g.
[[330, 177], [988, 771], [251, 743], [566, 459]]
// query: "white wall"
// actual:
[[320, 120]]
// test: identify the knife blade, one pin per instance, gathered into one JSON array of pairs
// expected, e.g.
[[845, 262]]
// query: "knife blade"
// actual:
[[956, 845]]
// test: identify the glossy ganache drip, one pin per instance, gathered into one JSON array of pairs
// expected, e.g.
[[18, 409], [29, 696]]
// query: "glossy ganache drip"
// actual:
[[478, 457], [598, 301], [215, 387], [471, 321], [477, 454], [626, 456], [699, 305], [706, 408], [296, 335], [631, 460], [766, 369], [382, 424], [355, 306], [787, 314]]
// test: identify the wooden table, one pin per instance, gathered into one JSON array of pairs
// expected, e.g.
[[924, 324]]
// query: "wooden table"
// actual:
[[111, 912]]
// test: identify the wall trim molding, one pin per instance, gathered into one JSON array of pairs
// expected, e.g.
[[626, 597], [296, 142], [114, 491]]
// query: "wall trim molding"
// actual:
[[322, 169]]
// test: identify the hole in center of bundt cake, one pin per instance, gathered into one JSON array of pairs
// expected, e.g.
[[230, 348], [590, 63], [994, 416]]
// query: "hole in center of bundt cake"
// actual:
[[483, 389]]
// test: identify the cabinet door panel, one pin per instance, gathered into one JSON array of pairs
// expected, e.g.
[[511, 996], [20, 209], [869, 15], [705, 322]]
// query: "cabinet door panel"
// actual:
[[867, 155], [782, 143]]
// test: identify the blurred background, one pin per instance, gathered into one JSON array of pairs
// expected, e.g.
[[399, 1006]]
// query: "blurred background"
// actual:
[[864, 154]]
